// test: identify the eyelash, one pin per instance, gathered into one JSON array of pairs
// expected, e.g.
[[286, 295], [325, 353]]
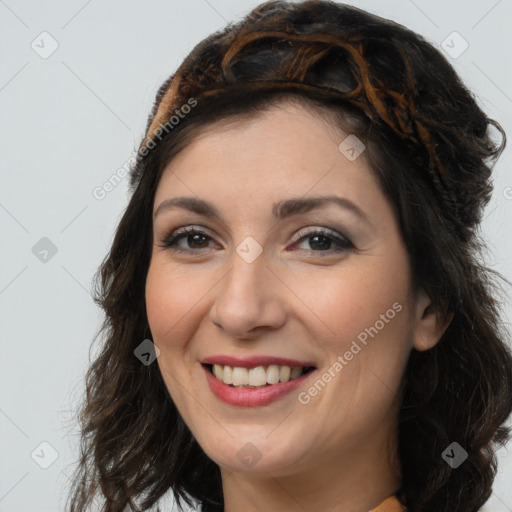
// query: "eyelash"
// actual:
[[342, 243]]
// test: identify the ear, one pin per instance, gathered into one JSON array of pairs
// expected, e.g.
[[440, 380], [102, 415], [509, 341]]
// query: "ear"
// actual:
[[428, 325]]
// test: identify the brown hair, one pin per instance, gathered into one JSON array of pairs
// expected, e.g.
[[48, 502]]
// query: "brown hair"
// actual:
[[429, 145]]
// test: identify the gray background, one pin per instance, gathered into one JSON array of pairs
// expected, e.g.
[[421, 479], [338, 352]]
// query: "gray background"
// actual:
[[71, 120]]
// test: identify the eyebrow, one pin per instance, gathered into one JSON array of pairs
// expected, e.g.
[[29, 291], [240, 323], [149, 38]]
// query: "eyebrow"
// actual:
[[280, 210]]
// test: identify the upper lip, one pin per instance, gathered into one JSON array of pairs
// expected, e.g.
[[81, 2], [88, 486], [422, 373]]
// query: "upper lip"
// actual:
[[253, 361]]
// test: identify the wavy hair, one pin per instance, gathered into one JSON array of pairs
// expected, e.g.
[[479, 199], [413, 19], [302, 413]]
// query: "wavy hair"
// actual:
[[432, 151]]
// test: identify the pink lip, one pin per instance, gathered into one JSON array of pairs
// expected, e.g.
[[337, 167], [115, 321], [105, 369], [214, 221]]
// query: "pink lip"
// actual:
[[252, 362], [252, 397]]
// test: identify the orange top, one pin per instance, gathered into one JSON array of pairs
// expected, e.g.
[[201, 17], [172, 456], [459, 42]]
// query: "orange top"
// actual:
[[390, 504]]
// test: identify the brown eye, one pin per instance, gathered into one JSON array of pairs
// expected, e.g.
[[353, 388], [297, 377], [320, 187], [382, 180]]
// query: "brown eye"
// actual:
[[194, 238], [322, 240]]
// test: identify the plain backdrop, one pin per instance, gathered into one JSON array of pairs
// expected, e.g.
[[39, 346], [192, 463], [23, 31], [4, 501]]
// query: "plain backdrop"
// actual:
[[77, 81]]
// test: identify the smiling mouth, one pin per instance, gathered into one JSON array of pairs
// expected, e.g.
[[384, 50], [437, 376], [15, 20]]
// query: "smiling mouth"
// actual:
[[257, 377]]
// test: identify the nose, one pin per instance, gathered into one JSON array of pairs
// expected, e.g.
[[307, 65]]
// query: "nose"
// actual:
[[249, 299]]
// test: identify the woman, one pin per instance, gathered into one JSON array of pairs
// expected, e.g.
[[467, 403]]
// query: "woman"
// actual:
[[296, 314]]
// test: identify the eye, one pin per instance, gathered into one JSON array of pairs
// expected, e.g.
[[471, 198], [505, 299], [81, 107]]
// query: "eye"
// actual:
[[191, 235], [320, 240], [323, 239]]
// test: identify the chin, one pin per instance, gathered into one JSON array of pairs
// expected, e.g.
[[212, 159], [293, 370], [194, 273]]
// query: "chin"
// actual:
[[253, 451]]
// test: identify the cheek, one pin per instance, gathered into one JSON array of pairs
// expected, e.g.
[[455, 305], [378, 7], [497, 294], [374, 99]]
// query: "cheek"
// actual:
[[357, 299], [366, 320], [170, 301]]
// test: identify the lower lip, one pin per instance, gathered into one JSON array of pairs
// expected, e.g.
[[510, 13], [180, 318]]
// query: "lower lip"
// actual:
[[252, 397]]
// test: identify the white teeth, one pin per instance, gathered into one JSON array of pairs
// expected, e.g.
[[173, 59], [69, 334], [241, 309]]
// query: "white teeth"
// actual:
[[284, 373], [256, 377], [273, 374], [217, 371], [227, 378], [240, 376]]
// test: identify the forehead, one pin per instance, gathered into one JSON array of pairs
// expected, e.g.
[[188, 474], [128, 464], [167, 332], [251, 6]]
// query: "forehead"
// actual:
[[284, 147]]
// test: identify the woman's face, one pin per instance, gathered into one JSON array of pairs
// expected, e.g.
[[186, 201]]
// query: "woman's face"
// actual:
[[261, 285]]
